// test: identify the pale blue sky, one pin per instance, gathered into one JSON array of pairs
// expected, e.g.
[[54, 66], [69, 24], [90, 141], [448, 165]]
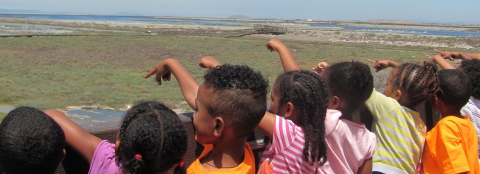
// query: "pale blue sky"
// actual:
[[425, 10]]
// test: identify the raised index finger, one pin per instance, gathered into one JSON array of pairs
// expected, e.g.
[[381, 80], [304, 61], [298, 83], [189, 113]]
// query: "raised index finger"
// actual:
[[371, 61], [150, 73]]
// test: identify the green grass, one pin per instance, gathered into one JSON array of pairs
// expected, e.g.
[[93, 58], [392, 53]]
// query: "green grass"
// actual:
[[55, 72], [2, 115]]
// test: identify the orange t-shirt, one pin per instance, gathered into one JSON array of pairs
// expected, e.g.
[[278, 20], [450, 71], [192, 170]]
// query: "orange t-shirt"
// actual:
[[451, 147], [246, 167]]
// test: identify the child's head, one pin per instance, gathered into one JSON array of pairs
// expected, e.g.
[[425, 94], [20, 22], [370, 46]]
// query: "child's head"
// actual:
[[231, 102], [30, 142], [302, 97], [152, 139], [455, 90], [410, 84], [350, 84], [472, 69]]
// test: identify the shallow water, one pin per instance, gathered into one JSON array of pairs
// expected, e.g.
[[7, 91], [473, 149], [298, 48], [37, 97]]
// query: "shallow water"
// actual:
[[228, 22], [94, 115]]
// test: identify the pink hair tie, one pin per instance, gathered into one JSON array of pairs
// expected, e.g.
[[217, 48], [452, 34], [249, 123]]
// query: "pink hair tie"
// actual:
[[138, 156], [181, 163]]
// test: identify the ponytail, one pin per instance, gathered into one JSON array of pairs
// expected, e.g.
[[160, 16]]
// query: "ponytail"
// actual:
[[136, 165]]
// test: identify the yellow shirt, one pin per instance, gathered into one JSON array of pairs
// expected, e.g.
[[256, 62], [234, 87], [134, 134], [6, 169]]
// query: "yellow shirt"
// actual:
[[400, 135], [451, 147], [246, 167]]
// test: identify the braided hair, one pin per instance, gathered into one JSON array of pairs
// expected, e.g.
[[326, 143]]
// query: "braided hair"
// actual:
[[416, 81], [152, 139], [308, 93]]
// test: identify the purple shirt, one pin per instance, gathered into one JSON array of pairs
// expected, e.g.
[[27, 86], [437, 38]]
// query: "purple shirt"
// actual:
[[104, 160]]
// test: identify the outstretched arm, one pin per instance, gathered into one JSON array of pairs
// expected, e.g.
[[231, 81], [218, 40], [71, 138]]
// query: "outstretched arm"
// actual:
[[382, 64], [441, 62], [209, 62], [267, 124], [288, 61], [458, 55], [82, 141], [187, 83]]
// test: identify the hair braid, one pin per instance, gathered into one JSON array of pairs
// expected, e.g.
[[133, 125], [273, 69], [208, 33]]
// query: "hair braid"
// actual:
[[154, 132], [125, 124], [432, 83], [417, 82], [308, 94]]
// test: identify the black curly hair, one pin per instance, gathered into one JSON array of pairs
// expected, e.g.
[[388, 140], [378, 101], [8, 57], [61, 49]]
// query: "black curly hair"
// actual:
[[472, 69], [308, 94], [239, 95], [416, 82], [351, 81], [153, 131], [30, 142], [455, 88]]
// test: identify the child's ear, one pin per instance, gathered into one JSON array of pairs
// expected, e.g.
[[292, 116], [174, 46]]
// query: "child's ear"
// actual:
[[64, 154], [437, 102], [289, 111], [117, 146], [219, 126], [398, 95], [335, 102]]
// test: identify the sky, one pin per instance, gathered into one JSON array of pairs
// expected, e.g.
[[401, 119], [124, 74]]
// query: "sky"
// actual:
[[423, 10]]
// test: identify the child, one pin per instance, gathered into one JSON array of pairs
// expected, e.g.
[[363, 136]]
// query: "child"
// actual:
[[350, 84], [151, 139], [400, 130], [228, 106], [451, 146], [30, 142], [338, 132], [472, 68], [296, 124]]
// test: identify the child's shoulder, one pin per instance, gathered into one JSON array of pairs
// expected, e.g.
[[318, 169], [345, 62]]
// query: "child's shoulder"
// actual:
[[104, 159], [454, 124]]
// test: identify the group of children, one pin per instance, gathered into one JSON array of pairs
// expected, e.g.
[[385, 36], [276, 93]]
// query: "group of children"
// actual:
[[310, 122]]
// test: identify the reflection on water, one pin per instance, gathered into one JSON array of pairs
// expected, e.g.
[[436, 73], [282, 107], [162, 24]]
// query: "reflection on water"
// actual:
[[94, 115]]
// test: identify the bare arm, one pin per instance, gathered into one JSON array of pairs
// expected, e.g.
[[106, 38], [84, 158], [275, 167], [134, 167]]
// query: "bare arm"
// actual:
[[288, 61], [458, 55], [82, 141], [267, 125], [382, 64], [469, 55], [441, 62], [366, 167], [187, 83]]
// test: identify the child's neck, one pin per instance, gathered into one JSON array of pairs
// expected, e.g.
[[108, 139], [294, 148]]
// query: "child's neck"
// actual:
[[227, 153], [456, 113], [347, 115]]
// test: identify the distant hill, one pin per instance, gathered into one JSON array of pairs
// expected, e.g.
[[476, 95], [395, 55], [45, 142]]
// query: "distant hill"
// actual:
[[392, 21], [238, 16]]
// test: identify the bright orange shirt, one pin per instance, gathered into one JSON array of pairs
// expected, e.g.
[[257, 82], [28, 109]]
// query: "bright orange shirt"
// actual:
[[246, 167], [451, 147]]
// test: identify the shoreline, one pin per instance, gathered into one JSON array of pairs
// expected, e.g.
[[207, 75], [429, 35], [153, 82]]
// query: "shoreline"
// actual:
[[302, 33]]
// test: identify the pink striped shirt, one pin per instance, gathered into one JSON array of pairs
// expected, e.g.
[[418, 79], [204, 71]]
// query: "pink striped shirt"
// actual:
[[285, 153]]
